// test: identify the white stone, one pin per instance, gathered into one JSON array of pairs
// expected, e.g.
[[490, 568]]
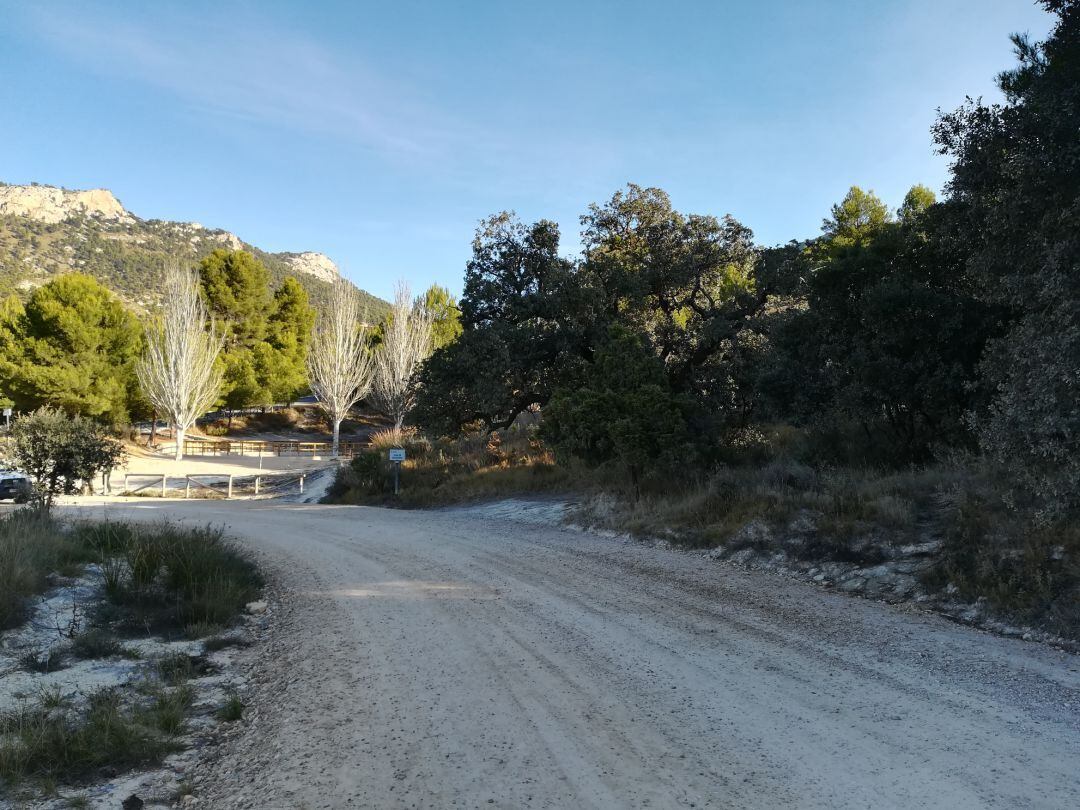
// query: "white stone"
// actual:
[[314, 264], [50, 204]]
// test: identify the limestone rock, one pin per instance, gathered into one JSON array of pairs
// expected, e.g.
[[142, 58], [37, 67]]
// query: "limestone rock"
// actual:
[[314, 264], [50, 204]]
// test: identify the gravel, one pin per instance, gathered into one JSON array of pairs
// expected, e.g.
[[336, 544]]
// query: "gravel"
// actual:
[[458, 658]]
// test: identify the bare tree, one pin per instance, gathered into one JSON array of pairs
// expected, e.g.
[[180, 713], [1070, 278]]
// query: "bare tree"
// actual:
[[405, 345], [178, 371], [339, 363]]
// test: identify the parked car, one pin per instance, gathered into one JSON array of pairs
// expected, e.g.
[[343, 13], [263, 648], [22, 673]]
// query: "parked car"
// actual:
[[14, 486]]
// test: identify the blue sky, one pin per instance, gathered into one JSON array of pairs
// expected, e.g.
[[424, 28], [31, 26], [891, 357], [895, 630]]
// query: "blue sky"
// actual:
[[380, 133]]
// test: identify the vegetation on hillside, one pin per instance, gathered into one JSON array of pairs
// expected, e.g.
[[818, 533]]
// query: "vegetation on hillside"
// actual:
[[127, 256]]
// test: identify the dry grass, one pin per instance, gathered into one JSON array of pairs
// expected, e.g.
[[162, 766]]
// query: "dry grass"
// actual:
[[53, 739], [477, 466], [32, 546], [1024, 570], [840, 506], [163, 579]]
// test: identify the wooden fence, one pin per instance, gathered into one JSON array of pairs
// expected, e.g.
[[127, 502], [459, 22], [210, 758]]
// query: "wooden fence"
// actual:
[[216, 484], [250, 447]]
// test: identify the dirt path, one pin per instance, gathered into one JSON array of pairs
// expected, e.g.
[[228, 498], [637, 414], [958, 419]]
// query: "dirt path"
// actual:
[[441, 659]]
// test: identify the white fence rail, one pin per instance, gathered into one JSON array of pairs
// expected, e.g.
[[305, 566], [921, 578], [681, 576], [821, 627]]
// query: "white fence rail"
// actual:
[[211, 485]]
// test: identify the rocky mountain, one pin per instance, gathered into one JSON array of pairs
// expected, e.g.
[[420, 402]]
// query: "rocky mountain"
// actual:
[[46, 231], [52, 205]]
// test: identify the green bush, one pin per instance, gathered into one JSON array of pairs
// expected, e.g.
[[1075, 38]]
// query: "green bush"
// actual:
[[624, 414]]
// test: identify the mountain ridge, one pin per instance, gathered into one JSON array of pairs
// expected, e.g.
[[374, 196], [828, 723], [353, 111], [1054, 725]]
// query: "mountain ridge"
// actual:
[[48, 230]]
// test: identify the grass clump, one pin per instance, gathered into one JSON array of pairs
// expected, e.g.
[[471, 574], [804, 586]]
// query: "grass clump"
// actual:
[[1029, 571], [168, 709], [231, 710], [169, 579], [96, 643], [32, 546], [55, 738], [42, 662], [57, 743]]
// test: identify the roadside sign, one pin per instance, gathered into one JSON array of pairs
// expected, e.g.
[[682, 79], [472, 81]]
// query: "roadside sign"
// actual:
[[7, 411], [397, 454]]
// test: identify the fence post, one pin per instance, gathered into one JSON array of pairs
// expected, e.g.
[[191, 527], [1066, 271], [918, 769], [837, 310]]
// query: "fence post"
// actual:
[[257, 484], [301, 483], [187, 488], [229, 495], [163, 478]]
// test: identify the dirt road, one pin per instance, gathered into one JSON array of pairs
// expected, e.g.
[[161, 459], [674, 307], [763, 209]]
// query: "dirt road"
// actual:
[[446, 659]]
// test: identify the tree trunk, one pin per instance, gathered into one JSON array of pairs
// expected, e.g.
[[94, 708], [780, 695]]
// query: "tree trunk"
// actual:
[[337, 437], [178, 432], [153, 431]]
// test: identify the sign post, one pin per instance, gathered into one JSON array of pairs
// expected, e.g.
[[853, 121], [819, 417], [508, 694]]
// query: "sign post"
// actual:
[[397, 455], [7, 416]]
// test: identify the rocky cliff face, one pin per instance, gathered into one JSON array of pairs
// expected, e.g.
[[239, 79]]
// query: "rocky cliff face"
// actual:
[[52, 205], [314, 264]]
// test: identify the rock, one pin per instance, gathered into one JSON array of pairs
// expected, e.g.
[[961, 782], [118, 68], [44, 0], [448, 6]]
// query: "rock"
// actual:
[[853, 584], [132, 802], [743, 556], [920, 549], [803, 524], [52, 205], [231, 240], [314, 264], [256, 608]]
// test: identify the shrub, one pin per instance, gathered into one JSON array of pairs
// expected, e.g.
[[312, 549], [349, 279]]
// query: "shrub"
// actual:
[[61, 452], [96, 643], [476, 465], [624, 414]]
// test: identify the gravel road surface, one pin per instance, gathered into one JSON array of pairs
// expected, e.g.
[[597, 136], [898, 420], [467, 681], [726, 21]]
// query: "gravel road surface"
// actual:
[[449, 659]]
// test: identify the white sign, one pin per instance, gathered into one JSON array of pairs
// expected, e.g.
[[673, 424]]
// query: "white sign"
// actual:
[[397, 454], [7, 411]]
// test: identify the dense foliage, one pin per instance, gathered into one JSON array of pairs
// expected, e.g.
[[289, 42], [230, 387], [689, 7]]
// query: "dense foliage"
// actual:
[[895, 337], [1016, 181], [73, 345], [266, 333]]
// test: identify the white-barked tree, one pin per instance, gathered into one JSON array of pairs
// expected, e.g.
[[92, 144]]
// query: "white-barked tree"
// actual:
[[406, 343], [178, 371], [340, 365]]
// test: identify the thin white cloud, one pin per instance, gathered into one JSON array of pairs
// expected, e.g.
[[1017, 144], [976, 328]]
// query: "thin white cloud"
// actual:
[[246, 69]]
